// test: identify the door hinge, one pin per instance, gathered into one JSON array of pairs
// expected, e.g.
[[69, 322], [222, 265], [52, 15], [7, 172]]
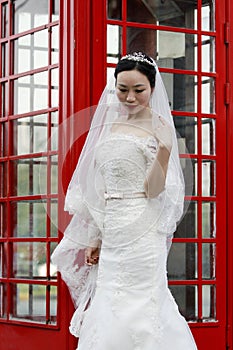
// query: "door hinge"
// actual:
[[226, 33], [227, 93]]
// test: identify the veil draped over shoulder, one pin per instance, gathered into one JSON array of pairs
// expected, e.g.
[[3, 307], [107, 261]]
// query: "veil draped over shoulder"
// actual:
[[85, 196]]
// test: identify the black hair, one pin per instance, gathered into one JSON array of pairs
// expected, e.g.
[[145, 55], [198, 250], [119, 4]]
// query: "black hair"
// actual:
[[126, 64]]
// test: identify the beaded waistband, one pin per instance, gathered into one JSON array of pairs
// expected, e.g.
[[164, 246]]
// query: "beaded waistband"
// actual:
[[124, 195]]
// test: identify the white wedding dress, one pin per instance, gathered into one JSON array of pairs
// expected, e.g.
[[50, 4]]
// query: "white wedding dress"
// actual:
[[133, 308]]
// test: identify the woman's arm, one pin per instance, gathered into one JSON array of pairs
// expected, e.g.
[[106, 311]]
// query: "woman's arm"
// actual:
[[156, 178]]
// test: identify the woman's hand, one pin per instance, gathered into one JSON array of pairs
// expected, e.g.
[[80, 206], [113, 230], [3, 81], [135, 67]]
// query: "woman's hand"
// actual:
[[163, 134], [92, 255]]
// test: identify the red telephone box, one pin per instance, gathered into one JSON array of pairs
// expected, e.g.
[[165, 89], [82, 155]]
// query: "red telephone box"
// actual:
[[55, 59]]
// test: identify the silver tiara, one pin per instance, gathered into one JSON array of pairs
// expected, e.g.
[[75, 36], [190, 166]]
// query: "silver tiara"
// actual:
[[138, 57]]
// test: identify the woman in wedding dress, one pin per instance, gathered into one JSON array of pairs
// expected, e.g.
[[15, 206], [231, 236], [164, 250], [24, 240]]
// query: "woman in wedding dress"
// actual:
[[127, 196]]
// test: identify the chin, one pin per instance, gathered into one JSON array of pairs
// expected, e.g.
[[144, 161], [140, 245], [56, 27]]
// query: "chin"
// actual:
[[134, 110]]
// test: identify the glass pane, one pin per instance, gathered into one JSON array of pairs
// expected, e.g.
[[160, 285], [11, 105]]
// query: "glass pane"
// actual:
[[181, 90], [186, 298], [182, 261], [208, 95], [55, 45], [40, 91], [110, 72], [141, 39], [187, 129], [54, 174], [54, 87], [114, 9], [40, 49], [55, 10], [53, 219], [208, 54], [4, 21], [53, 268], [53, 304], [181, 52], [208, 15], [208, 136], [22, 54], [3, 301], [209, 302], [39, 133], [4, 100], [30, 302], [208, 260], [3, 260], [113, 43], [31, 219], [54, 131], [29, 260], [208, 178], [188, 228], [167, 13], [29, 14], [190, 176], [3, 219], [208, 220], [3, 177], [5, 60], [22, 98], [31, 134], [142, 11], [31, 93], [31, 176]]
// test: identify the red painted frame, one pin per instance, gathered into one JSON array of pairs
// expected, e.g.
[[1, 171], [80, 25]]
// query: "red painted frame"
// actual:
[[211, 335], [25, 334]]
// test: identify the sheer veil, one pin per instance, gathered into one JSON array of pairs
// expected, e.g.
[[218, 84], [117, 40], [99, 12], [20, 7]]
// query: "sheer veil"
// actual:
[[85, 197]]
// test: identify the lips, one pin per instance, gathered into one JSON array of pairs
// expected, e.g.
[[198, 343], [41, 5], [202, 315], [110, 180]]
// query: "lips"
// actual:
[[130, 106]]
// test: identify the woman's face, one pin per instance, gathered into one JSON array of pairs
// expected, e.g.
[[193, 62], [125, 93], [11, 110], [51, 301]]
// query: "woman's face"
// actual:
[[133, 90]]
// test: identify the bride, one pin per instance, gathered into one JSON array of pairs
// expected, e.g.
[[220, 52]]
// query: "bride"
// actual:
[[127, 195]]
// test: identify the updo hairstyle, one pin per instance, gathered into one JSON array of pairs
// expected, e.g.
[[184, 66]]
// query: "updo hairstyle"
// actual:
[[137, 61]]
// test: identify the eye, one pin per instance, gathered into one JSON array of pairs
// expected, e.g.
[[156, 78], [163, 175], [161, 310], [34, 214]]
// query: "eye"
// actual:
[[122, 89], [139, 91]]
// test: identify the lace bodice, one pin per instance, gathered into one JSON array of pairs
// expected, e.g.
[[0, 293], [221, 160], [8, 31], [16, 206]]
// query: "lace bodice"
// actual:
[[123, 161]]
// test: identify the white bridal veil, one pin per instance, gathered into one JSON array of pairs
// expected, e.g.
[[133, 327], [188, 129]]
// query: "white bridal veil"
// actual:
[[85, 195]]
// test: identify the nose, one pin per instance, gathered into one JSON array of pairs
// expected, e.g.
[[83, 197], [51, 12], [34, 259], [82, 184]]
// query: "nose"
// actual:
[[130, 97]]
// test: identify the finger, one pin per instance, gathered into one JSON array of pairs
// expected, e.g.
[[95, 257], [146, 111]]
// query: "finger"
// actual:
[[87, 257], [91, 260], [88, 262]]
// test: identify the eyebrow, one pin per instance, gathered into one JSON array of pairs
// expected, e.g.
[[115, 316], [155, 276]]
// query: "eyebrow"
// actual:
[[136, 85]]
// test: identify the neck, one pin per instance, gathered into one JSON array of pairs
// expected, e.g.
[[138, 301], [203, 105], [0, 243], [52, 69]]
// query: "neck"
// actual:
[[145, 113]]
